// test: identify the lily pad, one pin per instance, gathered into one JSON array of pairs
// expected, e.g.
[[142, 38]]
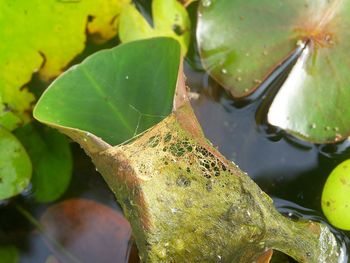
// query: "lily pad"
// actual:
[[51, 158], [170, 19], [8, 119], [114, 94], [243, 42], [335, 196], [15, 166], [43, 39]]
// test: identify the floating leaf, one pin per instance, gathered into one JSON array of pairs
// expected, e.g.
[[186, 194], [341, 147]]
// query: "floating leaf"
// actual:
[[43, 39], [51, 159], [9, 254], [243, 42], [170, 19], [117, 93], [336, 196], [8, 119], [15, 166], [88, 231]]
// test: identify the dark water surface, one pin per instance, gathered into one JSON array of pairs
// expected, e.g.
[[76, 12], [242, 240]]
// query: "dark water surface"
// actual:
[[291, 171]]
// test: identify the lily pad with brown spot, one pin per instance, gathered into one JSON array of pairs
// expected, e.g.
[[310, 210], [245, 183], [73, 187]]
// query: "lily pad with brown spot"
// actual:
[[243, 42]]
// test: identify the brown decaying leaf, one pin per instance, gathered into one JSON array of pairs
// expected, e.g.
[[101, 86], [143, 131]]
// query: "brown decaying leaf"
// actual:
[[88, 231]]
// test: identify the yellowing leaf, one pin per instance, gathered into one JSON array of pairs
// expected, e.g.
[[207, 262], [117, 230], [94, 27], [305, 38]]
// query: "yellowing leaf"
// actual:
[[170, 19], [45, 36], [8, 119]]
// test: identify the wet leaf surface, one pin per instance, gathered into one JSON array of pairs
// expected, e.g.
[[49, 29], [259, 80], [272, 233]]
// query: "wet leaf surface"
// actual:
[[117, 93], [87, 232], [242, 43]]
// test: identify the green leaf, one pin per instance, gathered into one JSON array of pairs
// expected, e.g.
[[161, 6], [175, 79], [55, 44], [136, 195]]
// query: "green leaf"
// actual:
[[15, 166], [170, 19], [8, 119], [336, 196], [9, 254], [45, 38], [243, 42], [51, 158], [114, 94]]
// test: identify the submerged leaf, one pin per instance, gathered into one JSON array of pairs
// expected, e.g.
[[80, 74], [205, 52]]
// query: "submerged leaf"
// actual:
[[51, 159], [115, 94], [90, 232], [15, 166], [45, 37], [170, 19], [244, 42]]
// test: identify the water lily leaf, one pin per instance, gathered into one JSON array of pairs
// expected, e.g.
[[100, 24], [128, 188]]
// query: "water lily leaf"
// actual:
[[44, 39], [51, 158], [8, 119], [15, 166], [170, 19], [243, 42], [335, 196], [114, 94], [86, 231], [9, 254]]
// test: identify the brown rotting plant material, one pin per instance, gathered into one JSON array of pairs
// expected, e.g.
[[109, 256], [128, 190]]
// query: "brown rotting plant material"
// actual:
[[187, 203]]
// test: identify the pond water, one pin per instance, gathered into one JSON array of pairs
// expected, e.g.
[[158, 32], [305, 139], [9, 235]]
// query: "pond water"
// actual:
[[291, 171]]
